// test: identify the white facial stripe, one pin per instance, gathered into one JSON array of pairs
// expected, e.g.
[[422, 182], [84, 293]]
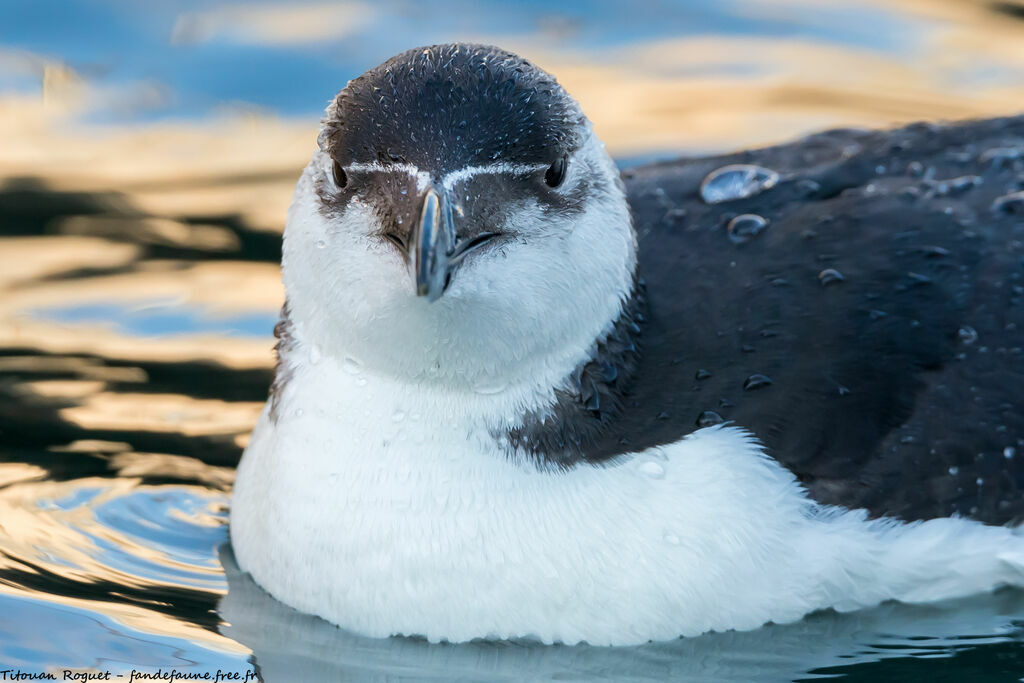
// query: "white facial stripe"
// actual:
[[377, 167], [422, 177], [449, 181]]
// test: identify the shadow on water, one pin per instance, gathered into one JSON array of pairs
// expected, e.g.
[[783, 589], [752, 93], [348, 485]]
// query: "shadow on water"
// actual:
[[30, 420], [29, 207]]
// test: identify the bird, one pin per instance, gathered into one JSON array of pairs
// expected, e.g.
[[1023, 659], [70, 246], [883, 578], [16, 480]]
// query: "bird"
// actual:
[[522, 394]]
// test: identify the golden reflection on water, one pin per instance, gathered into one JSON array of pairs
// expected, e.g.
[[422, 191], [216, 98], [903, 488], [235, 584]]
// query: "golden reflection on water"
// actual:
[[45, 530], [168, 232]]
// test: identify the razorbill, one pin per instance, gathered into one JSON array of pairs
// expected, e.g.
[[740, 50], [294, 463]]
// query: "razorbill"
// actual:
[[520, 396]]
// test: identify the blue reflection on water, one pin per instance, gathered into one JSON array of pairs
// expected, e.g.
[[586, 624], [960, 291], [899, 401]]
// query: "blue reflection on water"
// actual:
[[164, 520], [140, 319], [177, 550], [150, 540], [76, 498], [36, 635], [132, 42]]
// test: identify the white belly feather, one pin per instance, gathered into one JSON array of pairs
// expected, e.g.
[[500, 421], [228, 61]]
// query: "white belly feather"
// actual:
[[386, 509]]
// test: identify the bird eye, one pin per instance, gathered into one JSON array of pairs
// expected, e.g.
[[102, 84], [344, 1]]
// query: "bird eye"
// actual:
[[340, 179], [556, 172]]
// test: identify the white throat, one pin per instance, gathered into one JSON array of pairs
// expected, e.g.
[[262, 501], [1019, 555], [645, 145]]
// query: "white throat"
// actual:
[[524, 316]]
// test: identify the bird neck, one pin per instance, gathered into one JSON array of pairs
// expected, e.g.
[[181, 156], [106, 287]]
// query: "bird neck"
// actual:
[[588, 400]]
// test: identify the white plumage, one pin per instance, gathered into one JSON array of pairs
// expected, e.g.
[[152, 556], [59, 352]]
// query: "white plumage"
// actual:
[[380, 495], [383, 508]]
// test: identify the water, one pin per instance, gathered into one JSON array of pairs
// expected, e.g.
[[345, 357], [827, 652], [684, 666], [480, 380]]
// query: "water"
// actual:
[[745, 227], [736, 181], [756, 381], [709, 418], [1011, 203], [830, 276], [147, 161]]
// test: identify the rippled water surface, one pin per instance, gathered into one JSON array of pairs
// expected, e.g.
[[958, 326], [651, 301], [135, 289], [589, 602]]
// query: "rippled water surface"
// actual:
[[147, 157]]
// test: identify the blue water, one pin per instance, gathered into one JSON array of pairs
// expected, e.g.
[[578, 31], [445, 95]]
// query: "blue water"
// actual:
[[124, 43], [128, 387], [155, 319]]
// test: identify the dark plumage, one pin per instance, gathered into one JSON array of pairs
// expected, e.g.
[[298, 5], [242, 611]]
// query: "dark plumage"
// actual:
[[863, 317], [871, 335], [445, 107]]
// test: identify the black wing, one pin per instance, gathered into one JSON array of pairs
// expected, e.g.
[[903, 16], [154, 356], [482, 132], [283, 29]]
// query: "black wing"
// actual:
[[871, 336]]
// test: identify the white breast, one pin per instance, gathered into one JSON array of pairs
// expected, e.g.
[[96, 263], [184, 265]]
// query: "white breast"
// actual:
[[390, 509]]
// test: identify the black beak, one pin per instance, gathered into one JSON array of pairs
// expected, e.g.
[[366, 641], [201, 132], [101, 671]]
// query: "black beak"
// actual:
[[432, 244]]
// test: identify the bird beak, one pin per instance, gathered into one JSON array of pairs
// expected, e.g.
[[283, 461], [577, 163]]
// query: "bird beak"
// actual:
[[432, 244]]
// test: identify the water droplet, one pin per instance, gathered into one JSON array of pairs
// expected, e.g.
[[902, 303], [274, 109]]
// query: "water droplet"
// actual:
[[404, 191], [756, 381], [1009, 203], [917, 279], [954, 470], [962, 184], [320, 244], [671, 538], [830, 276], [1001, 156], [968, 335], [351, 366], [702, 374], [360, 381], [489, 389], [807, 186], [932, 251], [675, 215], [1009, 452], [736, 181], [398, 416], [746, 227], [299, 412], [979, 481], [709, 418], [652, 470], [314, 354]]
